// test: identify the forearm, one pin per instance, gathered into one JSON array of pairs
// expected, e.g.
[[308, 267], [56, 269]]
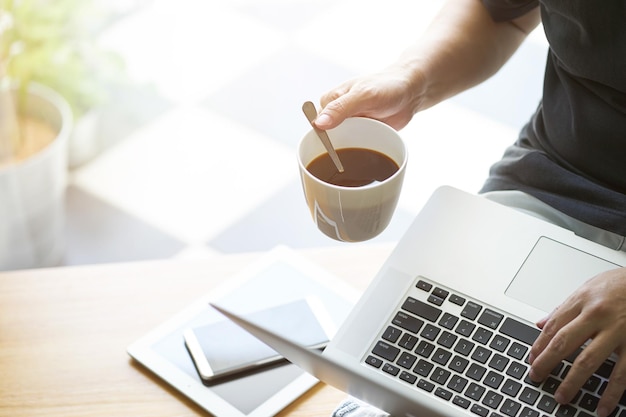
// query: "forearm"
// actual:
[[462, 47]]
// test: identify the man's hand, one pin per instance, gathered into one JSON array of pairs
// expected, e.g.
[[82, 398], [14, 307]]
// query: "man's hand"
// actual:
[[391, 96], [596, 312]]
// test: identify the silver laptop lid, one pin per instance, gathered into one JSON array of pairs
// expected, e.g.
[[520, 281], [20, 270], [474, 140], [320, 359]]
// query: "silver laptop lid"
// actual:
[[348, 377]]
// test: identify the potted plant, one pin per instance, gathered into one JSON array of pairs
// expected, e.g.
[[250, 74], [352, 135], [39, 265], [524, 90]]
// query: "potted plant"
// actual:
[[46, 80]]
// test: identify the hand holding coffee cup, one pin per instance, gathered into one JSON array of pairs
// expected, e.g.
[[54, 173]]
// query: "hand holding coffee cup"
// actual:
[[357, 204]]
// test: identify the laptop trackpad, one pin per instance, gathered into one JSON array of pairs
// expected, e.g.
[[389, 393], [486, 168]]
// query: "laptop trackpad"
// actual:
[[551, 272]]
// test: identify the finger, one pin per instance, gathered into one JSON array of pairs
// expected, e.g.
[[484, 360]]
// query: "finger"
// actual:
[[611, 396], [615, 388], [584, 366], [336, 111], [553, 324], [562, 341], [335, 93], [541, 323]]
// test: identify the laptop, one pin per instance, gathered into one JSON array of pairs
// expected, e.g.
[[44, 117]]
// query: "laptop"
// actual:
[[445, 327]]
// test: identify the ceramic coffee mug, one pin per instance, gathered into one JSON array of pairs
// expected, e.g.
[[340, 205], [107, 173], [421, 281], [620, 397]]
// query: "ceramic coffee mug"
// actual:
[[353, 214]]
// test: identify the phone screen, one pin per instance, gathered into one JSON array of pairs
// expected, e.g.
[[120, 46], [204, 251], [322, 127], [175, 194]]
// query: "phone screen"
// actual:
[[223, 349]]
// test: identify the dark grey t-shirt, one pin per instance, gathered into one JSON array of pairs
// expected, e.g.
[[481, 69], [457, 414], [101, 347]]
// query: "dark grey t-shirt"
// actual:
[[572, 153]]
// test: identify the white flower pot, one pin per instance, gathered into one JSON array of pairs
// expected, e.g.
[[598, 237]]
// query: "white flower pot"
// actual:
[[32, 192]]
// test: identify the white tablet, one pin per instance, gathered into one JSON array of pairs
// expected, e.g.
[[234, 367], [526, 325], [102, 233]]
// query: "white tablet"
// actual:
[[278, 278]]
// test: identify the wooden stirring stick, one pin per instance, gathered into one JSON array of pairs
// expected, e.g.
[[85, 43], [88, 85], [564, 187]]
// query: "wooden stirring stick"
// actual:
[[311, 114]]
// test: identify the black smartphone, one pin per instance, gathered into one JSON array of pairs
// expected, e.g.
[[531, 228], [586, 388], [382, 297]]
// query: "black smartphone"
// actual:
[[223, 350]]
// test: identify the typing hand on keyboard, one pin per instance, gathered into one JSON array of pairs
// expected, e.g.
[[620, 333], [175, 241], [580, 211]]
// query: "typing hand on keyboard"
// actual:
[[596, 311]]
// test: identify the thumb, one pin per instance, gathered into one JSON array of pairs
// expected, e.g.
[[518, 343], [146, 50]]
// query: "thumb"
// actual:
[[335, 112]]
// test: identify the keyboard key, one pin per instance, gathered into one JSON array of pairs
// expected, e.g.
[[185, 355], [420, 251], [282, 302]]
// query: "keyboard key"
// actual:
[[458, 364], [421, 309], [498, 362], [457, 299], [493, 380], [547, 404], [492, 399], [589, 402], [408, 341], [465, 328], [519, 331], [499, 343], [457, 383], [550, 385], [373, 361], [464, 347], [441, 357], [425, 385], [386, 351], [424, 349], [471, 310], [440, 376], [406, 360], [441, 293], [516, 370], [529, 396], [510, 408], [476, 372], [528, 412], [479, 410], [423, 285], [517, 351], [446, 339], [408, 377], [481, 354], [461, 402], [605, 369], [430, 332], [392, 334], [407, 322], [490, 319], [511, 388], [482, 335], [423, 367], [433, 299], [448, 321], [390, 369], [475, 391], [592, 383], [443, 393], [566, 411]]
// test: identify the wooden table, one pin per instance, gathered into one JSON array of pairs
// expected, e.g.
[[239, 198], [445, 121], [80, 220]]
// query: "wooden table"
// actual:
[[64, 332]]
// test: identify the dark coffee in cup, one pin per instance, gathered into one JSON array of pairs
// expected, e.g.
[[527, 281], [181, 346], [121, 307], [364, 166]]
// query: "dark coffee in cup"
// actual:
[[361, 167], [343, 206]]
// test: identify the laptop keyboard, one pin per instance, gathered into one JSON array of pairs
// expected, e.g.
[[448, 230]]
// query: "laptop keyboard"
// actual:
[[475, 357]]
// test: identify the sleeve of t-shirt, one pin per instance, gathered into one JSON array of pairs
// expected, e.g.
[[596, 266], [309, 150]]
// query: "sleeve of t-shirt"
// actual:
[[503, 10]]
